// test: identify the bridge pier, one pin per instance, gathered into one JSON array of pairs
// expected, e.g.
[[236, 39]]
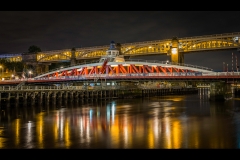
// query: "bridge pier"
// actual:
[[65, 96], [40, 97], [176, 56], [71, 95], [54, 95]]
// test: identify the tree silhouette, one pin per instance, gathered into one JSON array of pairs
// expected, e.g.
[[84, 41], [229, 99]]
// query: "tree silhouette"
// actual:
[[34, 49]]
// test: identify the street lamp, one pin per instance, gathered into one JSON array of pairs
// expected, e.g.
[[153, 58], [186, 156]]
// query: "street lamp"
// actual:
[[30, 72]]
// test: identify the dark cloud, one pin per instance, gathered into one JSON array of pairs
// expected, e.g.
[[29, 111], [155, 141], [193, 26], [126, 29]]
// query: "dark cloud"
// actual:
[[53, 30]]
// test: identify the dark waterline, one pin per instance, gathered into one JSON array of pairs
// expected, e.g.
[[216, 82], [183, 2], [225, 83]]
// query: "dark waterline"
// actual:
[[166, 122]]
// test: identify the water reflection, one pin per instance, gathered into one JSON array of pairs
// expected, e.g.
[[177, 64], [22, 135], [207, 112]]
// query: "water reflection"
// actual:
[[169, 122]]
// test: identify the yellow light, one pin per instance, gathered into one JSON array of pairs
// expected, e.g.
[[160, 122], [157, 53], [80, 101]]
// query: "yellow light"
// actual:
[[150, 47], [174, 50]]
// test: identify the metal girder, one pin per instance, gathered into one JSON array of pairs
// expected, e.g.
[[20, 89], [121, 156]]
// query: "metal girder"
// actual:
[[187, 44], [116, 70]]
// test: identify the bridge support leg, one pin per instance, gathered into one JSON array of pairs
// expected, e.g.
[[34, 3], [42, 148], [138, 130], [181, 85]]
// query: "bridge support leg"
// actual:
[[54, 95], [17, 97], [46, 68], [40, 97], [60, 97], [76, 96], [8, 97], [71, 96]]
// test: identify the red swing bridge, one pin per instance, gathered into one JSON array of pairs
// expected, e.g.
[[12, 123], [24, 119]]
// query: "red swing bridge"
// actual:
[[125, 70]]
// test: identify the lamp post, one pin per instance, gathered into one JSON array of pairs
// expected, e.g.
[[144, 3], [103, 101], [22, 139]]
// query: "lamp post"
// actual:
[[30, 72], [227, 72], [223, 66]]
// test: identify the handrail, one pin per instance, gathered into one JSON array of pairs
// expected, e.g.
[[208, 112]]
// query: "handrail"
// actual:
[[171, 63]]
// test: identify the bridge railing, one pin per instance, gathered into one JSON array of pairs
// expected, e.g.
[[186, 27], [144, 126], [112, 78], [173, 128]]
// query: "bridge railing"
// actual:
[[26, 88], [171, 63], [70, 88], [57, 69]]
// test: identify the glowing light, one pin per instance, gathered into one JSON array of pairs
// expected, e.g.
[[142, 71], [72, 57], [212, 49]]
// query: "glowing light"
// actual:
[[90, 115], [174, 50]]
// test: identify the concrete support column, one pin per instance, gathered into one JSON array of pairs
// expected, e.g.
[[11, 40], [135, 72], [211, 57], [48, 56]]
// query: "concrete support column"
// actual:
[[17, 97], [76, 98], [9, 97], [46, 68], [71, 95], [76, 95], [33, 98], [40, 97], [38, 69], [25, 97], [66, 96], [54, 97], [60, 97]]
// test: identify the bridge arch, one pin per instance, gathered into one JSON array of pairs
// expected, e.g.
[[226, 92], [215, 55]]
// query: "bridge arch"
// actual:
[[99, 52], [56, 56], [192, 45], [151, 48]]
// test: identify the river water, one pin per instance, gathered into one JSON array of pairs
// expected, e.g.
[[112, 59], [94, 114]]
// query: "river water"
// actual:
[[163, 122]]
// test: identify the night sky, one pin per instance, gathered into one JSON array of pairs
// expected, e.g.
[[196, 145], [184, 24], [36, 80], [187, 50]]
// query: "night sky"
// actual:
[[54, 30]]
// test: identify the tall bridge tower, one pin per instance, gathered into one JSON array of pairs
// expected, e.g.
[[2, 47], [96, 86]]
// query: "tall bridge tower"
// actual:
[[174, 52]]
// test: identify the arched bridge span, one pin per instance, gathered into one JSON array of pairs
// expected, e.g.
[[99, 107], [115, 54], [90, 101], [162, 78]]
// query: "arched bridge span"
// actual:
[[175, 48]]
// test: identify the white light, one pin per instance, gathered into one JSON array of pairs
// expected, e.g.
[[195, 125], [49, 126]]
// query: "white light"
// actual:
[[174, 50]]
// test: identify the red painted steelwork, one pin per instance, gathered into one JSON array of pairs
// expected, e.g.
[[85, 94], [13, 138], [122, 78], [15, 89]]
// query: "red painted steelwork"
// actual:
[[120, 68]]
